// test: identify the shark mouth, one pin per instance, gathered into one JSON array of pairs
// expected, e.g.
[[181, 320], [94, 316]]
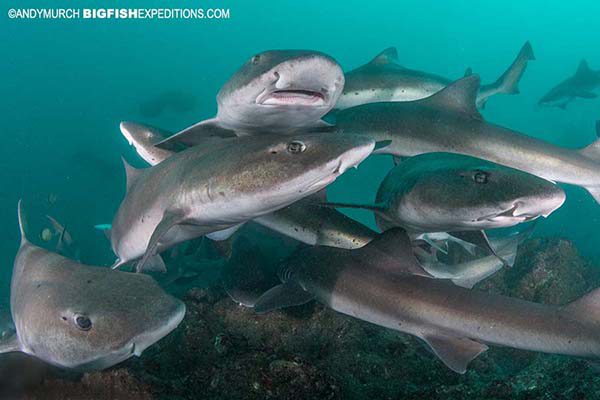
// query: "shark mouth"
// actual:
[[293, 97], [350, 159], [509, 215]]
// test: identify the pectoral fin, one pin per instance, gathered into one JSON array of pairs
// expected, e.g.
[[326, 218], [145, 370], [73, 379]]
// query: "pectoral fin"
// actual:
[[486, 267], [154, 264], [168, 221], [224, 234], [478, 238], [288, 294], [196, 134], [456, 353]]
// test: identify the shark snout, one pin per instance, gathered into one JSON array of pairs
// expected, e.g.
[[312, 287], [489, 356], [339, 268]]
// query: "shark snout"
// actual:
[[360, 149], [354, 156], [306, 81], [547, 199], [530, 208], [159, 330]]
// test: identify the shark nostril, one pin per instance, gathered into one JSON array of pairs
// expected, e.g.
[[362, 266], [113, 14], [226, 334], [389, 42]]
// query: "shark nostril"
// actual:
[[276, 76]]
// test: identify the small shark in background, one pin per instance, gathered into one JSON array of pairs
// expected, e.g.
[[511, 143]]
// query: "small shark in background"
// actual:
[[212, 190], [449, 122], [580, 85], [275, 91], [83, 317], [384, 284], [383, 79], [174, 101]]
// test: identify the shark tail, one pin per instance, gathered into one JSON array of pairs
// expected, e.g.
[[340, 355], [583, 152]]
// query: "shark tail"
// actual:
[[508, 83]]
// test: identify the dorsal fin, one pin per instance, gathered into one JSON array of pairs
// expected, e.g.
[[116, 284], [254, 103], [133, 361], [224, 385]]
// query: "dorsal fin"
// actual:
[[592, 150], [468, 72], [392, 252], [583, 69], [387, 56], [131, 173], [460, 96], [21, 217]]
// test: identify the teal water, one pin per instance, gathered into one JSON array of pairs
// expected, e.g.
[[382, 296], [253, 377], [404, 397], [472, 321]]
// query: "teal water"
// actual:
[[66, 85]]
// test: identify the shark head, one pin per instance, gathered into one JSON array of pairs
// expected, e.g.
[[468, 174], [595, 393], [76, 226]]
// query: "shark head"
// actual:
[[271, 171], [280, 89], [558, 96], [102, 319], [83, 317], [475, 194]]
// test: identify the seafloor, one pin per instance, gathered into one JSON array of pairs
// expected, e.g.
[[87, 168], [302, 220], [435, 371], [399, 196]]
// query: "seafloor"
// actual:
[[225, 351]]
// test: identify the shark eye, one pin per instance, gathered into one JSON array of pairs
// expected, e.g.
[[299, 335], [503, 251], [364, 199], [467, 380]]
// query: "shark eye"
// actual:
[[481, 177], [254, 60], [83, 322], [296, 147]]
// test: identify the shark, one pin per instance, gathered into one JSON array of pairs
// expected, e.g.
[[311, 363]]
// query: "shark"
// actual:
[[470, 272], [175, 101], [83, 317], [213, 191], [580, 85], [304, 220], [383, 283], [446, 192], [449, 122], [384, 79], [276, 91]]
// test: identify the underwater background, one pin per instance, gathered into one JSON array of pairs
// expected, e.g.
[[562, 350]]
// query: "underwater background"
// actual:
[[66, 85]]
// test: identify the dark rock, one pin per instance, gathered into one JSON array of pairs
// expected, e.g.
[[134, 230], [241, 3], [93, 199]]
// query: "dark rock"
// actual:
[[555, 275], [114, 384]]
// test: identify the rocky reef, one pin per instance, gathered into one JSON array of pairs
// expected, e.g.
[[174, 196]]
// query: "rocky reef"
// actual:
[[225, 351]]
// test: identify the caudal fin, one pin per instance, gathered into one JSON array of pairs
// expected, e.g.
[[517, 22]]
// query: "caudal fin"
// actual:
[[508, 83]]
